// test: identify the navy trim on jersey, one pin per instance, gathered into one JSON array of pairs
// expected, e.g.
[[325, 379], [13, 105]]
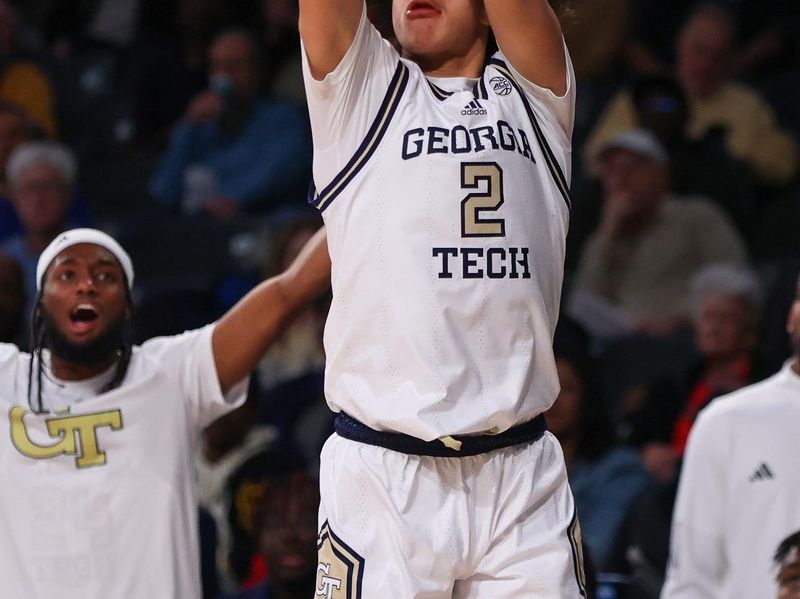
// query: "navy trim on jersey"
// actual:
[[372, 140], [479, 90], [577, 552], [552, 163], [438, 91]]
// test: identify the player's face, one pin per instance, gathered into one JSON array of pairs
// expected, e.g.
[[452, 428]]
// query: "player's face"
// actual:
[[789, 578], [84, 294], [434, 31], [724, 326]]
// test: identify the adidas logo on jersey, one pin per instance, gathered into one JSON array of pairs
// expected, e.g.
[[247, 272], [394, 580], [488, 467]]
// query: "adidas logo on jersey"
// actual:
[[474, 108], [762, 473]]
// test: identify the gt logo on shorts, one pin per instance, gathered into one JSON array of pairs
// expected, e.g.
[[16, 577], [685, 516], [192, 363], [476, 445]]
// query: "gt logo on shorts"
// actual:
[[74, 435], [340, 569]]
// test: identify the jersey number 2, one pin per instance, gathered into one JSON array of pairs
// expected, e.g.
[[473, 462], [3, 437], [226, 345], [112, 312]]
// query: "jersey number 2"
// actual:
[[487, 177]]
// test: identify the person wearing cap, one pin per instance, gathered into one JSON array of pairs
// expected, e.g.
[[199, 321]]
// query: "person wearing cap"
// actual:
[[649, 242], [97, 437]]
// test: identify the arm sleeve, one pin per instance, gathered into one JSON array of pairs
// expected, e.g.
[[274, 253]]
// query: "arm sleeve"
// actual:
[[190, 359], [697, 553], [557, 112], [343, 104], [273, 160], [757, 139]]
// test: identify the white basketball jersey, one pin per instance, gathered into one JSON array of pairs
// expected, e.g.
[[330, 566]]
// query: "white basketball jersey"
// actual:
[[446, 205], [99, 499]]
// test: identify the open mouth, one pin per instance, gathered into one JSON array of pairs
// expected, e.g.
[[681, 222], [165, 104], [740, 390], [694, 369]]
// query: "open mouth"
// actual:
[[421, 10], [83, 317]]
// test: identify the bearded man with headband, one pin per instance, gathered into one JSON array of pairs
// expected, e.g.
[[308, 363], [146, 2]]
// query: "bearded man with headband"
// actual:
[[97, 437]]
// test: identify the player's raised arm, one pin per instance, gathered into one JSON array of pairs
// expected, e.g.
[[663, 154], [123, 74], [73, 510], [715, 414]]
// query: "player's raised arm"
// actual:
[[529, 35], [327, 28], [243, 335]]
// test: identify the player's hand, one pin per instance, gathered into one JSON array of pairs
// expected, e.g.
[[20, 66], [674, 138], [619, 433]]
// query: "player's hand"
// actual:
[[205, 107]]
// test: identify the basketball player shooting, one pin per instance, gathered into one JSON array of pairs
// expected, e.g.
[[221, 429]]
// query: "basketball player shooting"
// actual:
[[442, 170]]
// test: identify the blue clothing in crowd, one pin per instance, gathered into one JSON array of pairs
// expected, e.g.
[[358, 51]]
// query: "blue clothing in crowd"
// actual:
[[603, 491], [268, 160]]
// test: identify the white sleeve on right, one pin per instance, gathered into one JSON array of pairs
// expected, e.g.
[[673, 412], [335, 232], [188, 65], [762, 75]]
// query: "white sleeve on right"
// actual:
[[343, 105], [697, 564]]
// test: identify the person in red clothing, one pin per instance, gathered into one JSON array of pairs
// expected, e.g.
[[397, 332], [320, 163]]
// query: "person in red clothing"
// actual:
[[726, 304]]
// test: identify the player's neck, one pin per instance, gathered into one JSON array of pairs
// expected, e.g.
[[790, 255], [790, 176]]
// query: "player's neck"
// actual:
[[470, 66], [70, 371], [796, 365]]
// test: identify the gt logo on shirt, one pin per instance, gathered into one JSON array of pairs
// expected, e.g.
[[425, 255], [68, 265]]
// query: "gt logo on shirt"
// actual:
[[327, 583], [74, 435]]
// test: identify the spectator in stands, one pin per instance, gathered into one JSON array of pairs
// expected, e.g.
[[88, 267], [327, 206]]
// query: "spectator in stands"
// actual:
[[726, 304], [288, 539], [12, 302], [716, 103], [299, 350], [696, 166], [635, 268], [603, 475], [249, 151], [22, 82], [15, 128], [227, 443], [787, 559], [247, 488], [41, 176], [739, 489]]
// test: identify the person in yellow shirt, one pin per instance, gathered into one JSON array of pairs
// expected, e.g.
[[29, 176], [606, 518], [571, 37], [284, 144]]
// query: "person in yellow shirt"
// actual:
[[704, 49], [22, 82]]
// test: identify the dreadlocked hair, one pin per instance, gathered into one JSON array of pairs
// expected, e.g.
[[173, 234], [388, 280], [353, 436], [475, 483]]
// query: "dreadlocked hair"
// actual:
[[37, 342]]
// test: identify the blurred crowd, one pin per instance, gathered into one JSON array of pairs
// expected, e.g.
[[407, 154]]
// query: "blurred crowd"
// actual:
[[179, 126]]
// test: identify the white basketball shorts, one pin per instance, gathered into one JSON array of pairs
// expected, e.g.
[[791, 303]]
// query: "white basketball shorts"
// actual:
[[498, 525]]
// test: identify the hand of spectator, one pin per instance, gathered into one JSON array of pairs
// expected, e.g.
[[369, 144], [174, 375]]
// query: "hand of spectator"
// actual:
[[617, 208], [222, 208], [206, 106], [660, 461]]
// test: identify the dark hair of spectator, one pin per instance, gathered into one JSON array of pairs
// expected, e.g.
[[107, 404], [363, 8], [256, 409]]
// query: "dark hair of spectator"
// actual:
[[789, 543], [596, 433]]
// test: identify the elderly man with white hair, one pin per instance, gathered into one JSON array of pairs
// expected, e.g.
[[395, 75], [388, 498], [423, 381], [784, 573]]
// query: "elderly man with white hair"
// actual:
[[41, 176]]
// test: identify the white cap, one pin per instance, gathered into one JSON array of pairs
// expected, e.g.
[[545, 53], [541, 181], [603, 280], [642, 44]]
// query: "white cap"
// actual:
[[637, 141], [76, 236]]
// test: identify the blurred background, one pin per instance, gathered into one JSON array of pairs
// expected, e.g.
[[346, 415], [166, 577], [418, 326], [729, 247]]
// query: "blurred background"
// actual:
[[179, 127]]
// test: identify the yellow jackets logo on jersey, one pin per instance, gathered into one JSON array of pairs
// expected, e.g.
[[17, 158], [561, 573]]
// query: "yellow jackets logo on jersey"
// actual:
[[339, 570], [74, 435]]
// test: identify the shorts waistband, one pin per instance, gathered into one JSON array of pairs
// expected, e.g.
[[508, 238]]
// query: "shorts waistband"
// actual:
[[450, 447]]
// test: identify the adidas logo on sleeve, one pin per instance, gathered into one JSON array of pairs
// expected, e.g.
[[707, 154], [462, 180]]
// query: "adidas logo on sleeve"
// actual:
[[762, 473]]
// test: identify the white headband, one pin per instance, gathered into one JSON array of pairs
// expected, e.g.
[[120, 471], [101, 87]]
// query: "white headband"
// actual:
[[76, 236]]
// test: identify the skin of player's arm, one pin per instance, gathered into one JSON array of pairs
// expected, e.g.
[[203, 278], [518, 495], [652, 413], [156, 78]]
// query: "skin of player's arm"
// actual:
[[529, 34], [242, 336], [327, 28]]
